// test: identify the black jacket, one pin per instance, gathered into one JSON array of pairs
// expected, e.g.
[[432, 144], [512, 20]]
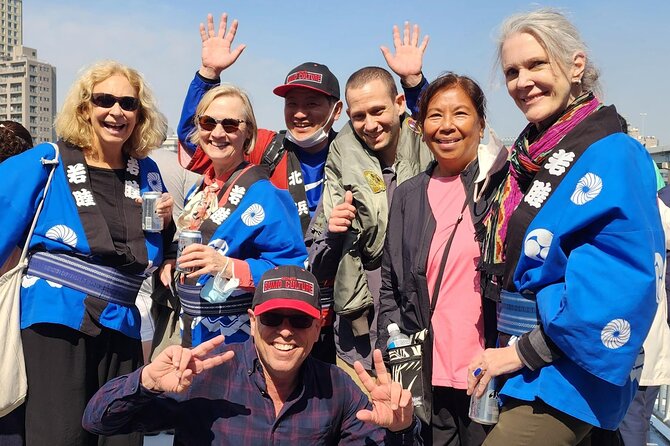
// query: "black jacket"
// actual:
[[404, 297]]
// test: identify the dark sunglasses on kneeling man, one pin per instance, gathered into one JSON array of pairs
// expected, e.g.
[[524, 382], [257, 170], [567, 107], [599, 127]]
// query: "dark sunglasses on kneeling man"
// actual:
[[106, 100], [230, 125], [299, 321]]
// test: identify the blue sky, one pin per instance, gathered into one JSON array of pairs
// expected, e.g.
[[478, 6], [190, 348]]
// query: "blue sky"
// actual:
[[629, 42]]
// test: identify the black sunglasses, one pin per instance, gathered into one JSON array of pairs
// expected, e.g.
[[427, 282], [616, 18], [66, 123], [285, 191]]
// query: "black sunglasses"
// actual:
[[106, 100], [230, 125], [300, 321]]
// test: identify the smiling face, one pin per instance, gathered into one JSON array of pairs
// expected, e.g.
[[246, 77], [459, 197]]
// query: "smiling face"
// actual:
[[113, 126], [226, 150], [452, 130], [536, 83], [375, 115], [306, 111], [283, 349]]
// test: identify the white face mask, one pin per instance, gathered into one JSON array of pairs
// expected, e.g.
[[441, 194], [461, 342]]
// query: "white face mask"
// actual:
[[315, 138], [220, 289]]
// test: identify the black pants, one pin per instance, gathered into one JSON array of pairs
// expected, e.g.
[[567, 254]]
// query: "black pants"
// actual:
[[450, 424], [65, 368]]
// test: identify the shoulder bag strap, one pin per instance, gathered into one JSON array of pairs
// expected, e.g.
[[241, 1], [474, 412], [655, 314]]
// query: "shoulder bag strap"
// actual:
[[53, 162], [443, 262]]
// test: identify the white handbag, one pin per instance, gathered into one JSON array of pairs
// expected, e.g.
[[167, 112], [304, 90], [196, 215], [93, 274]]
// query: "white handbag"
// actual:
[[13, 383]]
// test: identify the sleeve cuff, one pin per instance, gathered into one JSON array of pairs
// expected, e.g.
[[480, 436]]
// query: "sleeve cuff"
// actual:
[[207, 80]]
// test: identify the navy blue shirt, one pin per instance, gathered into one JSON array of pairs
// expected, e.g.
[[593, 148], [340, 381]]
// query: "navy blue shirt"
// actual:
[[229, 404]]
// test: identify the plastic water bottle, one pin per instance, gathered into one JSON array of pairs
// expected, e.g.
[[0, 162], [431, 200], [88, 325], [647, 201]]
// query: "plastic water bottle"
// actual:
[[396, 337]]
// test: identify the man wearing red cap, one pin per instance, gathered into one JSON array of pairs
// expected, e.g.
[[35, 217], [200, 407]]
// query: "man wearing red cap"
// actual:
[[296, 156], [273, 392]]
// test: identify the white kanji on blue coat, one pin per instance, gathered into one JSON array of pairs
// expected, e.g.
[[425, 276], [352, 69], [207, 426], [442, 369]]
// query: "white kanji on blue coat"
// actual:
[[236, 194], [133, 167], [220, 215], [537, 243], [132, 189], [537, 193], [588, 188]]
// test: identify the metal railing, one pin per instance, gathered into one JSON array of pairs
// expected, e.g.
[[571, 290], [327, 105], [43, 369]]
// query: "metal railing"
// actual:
[[661, 414]]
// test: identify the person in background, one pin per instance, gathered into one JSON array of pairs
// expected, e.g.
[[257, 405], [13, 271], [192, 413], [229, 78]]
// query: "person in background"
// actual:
[[266, 390], [294, 157], [434, 215], [377, 150], [80, 330], [159, 307], [634, 428], [573, 241], [247, 225], [14, 138]]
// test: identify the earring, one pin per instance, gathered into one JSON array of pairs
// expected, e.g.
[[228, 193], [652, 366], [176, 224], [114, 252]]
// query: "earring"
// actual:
[[577, 81]]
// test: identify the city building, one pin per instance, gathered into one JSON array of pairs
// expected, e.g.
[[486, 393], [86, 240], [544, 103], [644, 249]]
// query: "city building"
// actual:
[[27, 85]]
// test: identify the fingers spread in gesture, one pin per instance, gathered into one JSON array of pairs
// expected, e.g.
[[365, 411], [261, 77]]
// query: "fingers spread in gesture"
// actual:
[[391, 404], [217, 52], [408, 58], [173, 370]]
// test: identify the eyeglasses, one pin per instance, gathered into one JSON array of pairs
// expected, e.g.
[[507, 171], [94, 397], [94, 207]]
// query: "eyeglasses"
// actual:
[[230, 125], [106, 100], [300, 321]]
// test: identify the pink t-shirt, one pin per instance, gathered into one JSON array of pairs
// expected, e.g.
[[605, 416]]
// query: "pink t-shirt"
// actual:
[[457, 322]]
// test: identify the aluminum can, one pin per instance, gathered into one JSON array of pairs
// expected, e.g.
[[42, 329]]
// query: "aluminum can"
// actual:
[[151, 221], [187, 238], [485, 409]]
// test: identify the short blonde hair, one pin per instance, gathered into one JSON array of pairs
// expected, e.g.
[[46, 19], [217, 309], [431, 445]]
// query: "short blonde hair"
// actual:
[[73, 123], [247, 113]]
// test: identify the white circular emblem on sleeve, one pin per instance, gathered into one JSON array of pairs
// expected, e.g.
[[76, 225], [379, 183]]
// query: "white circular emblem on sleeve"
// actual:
[[254, 215], [536, 245], [63, 234], [616, 333], [587, 189], [155, 182], [659, 266]]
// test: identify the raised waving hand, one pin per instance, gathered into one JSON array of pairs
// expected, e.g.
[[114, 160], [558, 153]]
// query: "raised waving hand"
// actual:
[[217, 46], [407, 60]]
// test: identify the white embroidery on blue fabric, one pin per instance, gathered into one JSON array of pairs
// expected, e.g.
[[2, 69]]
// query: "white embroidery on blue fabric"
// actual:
[[559, 162], [659, 267], [155, 182], [254, 215], [615, 334], [220, 245], [76, 173], [132, 189], [536, 245], [27, 281], [588, 188], [63, 234], [54, 284], [226, 325], [537, 193]]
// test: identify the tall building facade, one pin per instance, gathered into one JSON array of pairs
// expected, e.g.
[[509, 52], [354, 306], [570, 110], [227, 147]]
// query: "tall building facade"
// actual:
[[11, 29], [27, 85]]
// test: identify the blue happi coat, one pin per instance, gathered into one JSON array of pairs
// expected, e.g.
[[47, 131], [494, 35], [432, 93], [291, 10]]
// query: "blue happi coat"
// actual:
[[593, 256], [68, 223], [264, 230]]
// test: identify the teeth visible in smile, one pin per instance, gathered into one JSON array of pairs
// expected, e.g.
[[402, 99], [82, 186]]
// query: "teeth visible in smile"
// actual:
[[221, 144], [448, 141], [114, 126], [283, 347]]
